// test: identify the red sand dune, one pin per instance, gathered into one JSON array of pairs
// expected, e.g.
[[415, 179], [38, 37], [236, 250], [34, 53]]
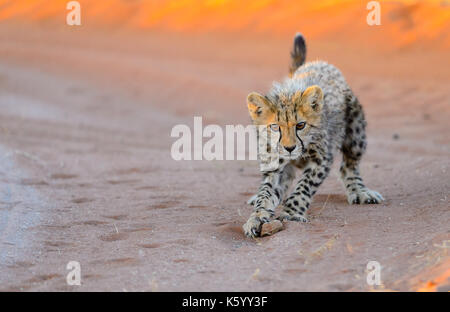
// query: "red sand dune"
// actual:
[[403, 22]]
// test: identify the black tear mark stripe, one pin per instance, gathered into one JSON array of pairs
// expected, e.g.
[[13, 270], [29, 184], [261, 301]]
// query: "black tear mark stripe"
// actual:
[[301, 142]]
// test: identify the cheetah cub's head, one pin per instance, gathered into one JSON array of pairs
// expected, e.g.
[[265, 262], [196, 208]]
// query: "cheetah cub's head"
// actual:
[[294, 117]]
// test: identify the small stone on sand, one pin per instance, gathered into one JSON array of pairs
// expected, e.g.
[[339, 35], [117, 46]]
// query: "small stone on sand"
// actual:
[[271, 227]]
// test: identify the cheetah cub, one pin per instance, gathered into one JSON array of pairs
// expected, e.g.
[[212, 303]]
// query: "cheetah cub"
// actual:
[[313, 113]]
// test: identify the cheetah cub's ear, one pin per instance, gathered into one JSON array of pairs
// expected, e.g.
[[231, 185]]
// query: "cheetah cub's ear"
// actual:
[[261, 110], [311, 101]]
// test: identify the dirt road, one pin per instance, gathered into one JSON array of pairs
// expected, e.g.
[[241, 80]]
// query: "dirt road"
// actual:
[[86, 173]]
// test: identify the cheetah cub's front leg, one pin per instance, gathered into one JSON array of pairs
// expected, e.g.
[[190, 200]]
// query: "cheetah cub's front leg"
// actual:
[[315, 172], [270, 193]]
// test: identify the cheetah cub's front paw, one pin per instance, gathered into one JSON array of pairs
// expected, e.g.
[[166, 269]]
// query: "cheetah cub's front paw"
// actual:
[[252, 228], [365, 196], [292, 217]]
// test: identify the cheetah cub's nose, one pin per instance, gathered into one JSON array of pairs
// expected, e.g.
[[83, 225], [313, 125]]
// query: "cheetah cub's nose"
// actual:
[[289, 148]]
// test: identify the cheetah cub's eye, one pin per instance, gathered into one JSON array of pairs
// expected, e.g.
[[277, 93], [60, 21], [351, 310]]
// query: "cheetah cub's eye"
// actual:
[[274, 127], [300, 125]]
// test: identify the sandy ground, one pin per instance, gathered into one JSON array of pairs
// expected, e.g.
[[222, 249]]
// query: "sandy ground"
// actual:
[[86, 172]]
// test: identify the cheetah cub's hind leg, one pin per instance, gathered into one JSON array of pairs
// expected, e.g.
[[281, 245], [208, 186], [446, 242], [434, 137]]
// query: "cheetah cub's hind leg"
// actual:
[[353, 147]]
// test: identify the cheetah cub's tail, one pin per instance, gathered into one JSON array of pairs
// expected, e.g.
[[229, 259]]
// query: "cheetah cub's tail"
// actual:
[[298, 54]]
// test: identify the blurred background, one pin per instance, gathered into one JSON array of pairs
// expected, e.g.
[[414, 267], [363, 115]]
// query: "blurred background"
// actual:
[[405, 23], [86, 172], [189, 36]]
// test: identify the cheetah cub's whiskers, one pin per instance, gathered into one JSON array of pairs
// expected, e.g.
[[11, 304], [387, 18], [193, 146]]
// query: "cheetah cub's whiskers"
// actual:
[[313, 113]]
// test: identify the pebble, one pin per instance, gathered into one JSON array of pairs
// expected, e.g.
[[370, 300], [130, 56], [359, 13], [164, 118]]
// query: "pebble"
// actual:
[[271, 227]]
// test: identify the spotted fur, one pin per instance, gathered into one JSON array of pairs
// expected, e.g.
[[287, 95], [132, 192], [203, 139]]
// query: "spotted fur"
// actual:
[[314, 113]]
